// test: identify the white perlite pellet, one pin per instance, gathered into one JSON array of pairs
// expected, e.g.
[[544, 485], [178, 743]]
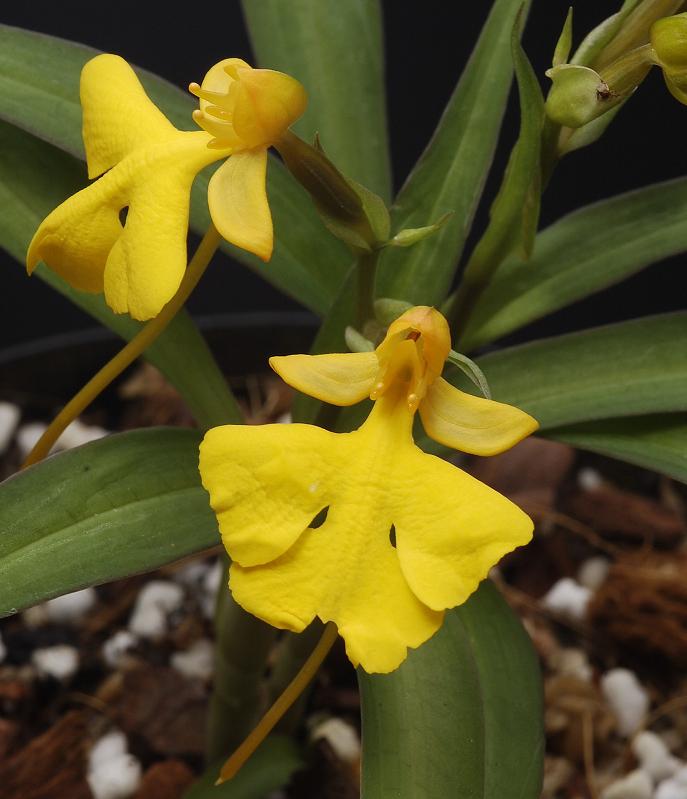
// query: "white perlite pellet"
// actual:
[[589, 479], [113, 773], [156, 601], [116, 647], [568, 598], [654, 757], [593, 572], [197, 662], [71, 608], [9, 419], [60, 662], [636, 785], [627, 699], [341, 736], [77, 433]]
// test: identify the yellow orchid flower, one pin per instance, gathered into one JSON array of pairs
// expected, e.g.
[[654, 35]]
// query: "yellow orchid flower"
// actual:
[[149, 167], [405, 534]]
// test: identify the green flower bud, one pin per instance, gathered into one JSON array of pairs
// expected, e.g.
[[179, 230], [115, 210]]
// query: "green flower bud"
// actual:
[[350, 211], [669, 41]]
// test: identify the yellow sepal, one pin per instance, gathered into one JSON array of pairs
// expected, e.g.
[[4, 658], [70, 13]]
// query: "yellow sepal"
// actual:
[[472, 424], [118, 116]]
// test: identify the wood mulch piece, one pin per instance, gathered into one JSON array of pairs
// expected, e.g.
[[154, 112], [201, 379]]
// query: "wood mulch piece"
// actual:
[[51, 766]]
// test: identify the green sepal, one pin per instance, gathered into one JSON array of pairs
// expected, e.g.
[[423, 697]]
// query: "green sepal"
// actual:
[[564, 43]]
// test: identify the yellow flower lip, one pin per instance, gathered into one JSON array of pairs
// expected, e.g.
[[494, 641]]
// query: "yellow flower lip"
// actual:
[[243, 107]]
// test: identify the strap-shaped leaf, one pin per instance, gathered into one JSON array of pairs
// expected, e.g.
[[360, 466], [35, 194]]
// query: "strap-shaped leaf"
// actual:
[[514, 214], [625, 369], [582, 253], [657, 442], [462, 716], [336, 50], [124, 504], [451, 173], [39, 92], [34, 177]]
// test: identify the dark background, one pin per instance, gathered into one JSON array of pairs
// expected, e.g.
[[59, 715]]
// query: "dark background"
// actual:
[[427, 45]]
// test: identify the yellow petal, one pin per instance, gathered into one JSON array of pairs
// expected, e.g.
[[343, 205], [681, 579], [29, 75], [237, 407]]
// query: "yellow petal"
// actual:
[[238, 202], [76, 238], [339, 378], [266, 485], [118, 116], [472, 424], [451, 530]]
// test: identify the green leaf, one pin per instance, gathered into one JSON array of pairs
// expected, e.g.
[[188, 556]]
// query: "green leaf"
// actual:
[[451, 173], [39, 92], [336, 50], [127, 503], [514, 214], [267, 770], [625, 369], [657, 442], [462, 717], [582, 253], [34, 177]]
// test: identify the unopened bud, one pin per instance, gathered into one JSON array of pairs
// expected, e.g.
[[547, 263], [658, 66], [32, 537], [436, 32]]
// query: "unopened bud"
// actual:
[[350, 211], [669, 41]]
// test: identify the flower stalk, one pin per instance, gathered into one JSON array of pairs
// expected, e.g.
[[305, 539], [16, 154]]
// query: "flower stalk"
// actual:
[[126, 356], [281, 706]]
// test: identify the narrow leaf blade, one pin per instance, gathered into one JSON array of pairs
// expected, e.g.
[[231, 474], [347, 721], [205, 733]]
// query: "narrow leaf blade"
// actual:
[[657, 442], [134, 503], [336, 50], [625, 369], [453, 169], [462, 716], [582, 253]]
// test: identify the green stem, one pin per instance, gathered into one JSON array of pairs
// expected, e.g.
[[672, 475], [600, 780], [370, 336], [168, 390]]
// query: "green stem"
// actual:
[[242, 646], [367, 278]]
